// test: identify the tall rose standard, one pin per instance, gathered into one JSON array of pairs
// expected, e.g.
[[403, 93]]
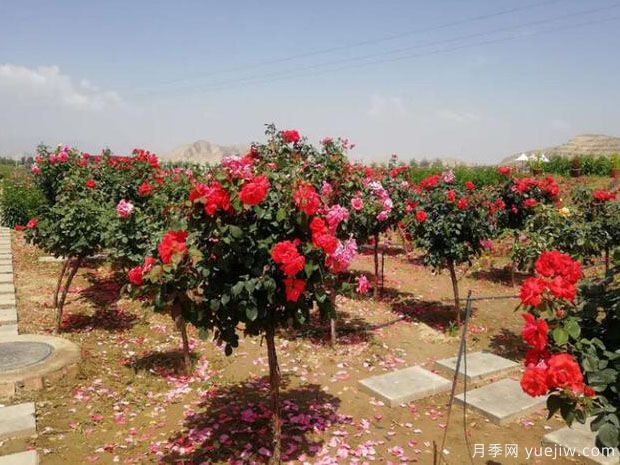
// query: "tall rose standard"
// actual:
[[259, 253], [450, 225]]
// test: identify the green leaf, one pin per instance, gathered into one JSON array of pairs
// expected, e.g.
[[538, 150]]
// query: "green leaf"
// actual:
[[608, 435], [560, 336], [235, 231], [251, 313], [573, 329]]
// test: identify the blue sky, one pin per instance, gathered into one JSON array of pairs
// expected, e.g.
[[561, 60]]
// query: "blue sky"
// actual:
[[474, 80]]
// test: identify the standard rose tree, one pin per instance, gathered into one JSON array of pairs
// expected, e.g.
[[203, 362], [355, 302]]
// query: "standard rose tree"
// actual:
[[451, 224], [259, 247]]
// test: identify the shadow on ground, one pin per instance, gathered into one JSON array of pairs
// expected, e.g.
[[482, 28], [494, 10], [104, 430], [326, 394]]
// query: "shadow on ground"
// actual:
[[111, 319], [161, 363], [232, 424], [350, 330], [508, 344]]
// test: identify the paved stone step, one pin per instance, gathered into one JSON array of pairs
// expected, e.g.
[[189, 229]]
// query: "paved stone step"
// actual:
[[502, 401], [403, 386], [6, 269], [23, 458], [6, 278], [8, 316], [8, 330], [7, 300], [7, 288], [480, 365], [580, 438], [17, 421]]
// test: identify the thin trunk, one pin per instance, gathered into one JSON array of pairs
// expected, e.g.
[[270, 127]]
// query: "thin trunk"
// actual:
[[455, 289], [376, 254], [63, 296], [332, 318], [382, 268], [177, 316], [274, 382], [606, 260], [59, 283]]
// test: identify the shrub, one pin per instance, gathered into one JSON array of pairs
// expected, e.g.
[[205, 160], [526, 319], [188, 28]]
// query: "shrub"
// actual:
[[20, 200]]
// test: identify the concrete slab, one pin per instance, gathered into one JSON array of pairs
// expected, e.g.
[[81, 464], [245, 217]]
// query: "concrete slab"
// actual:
[[581, 439], [8, 330], [7, 300], [6, 278], [22, 458], [502, 401], [6, 261], [480, 365], [6, 269], [8, 316], [50, 259], [7, 288], [18, 421], [402, 386]]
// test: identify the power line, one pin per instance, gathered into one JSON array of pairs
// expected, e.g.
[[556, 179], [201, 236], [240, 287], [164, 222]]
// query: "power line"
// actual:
[[362, 43], [362, 61]]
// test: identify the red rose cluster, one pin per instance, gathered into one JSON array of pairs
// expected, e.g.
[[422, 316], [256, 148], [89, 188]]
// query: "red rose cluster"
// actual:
[[291, 262], [322, 238], [603, 195], [213, 196], [430, 182], [136, 274], [290, 136], [254, 191], [307, 199], [545, 372], [547, 185], [173, 243], [558, 273]]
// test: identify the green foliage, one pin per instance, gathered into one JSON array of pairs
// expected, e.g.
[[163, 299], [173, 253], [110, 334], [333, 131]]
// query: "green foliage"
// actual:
[[588, 164], [20, 200]]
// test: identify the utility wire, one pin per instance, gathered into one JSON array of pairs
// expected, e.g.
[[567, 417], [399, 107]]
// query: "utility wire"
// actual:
[[292, 74], [362, 43]]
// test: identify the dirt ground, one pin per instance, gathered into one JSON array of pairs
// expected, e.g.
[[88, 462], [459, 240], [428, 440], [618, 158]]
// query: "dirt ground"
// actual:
[[129, 405]]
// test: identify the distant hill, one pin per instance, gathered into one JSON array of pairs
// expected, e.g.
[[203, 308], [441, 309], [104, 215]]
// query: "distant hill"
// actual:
[[585, 144], [203, 151]]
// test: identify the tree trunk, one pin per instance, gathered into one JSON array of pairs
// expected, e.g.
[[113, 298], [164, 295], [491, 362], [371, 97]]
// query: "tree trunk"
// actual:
[[274, 381], [382, 269], [376, 255], [179, 321], [63, 296], [606, 260], [332, 319], [59, 283], [455, 289]]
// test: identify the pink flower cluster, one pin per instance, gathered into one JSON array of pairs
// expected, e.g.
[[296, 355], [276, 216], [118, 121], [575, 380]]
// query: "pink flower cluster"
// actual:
[[342, 257], [383, 195], [124, 209]]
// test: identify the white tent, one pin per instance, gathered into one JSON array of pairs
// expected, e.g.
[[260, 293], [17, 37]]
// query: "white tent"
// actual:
[[523, 157]]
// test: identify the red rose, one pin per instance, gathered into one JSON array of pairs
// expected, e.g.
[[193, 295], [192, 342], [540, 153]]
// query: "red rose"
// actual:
[[503, 170], [470, 186], [535, 357], [214, 197], [531, 291], [148, 264], [91, 184], [290, 135], [451, 195], [550, 186], [562, 289], [254, 192], [173, 243], [553, 263], [563, 371], [307, 199], [430, 181], [534, 382], [286, 255], [535, 332], [588, 391], [294, 288], [145, 189], [462, 203], [421, 216], [19, 227], [32, 223], [603, 195], [135, 276], [528, 203]]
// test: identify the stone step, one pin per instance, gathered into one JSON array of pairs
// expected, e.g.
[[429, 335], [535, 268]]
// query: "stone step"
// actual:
[[502, 401], [480, 366], [8, 330], [6, 269], [6, 278], [7, 288], [17, 421], [8, 316], [22, 458], [402, 386], [7, 300], [581, 439]]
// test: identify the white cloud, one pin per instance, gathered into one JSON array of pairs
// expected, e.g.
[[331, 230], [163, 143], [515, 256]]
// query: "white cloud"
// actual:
[[46, 85], [461, 117], [386, 106]]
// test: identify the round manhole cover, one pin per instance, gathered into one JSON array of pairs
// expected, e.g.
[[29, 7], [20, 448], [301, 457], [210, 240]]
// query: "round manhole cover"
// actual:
[[21, 354]]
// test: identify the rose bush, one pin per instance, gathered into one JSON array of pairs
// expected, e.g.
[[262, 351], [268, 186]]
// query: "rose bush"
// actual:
[[574, 353]]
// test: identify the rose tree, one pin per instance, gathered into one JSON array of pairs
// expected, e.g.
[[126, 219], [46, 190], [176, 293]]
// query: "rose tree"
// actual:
[[257, 249], [450, 224]]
